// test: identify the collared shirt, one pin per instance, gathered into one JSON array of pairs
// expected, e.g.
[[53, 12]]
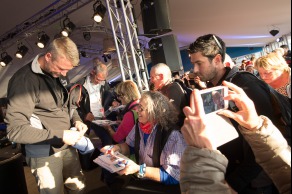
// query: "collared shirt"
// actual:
[[170, 155]]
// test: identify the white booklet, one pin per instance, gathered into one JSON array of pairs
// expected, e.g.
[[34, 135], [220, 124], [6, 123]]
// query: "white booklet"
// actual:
[[112, 163], [104, 122]]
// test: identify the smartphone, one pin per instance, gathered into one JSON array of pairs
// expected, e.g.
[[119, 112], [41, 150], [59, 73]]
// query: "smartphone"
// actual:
[[213, 99]]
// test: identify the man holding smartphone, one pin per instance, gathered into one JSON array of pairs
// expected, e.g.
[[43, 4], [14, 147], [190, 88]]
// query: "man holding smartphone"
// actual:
[[243, 174]]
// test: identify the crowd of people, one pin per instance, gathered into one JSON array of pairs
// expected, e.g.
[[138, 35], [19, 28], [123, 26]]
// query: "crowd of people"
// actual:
[[166, 136]]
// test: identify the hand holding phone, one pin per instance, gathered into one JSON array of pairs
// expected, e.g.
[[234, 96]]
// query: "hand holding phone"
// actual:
[[213, 99]]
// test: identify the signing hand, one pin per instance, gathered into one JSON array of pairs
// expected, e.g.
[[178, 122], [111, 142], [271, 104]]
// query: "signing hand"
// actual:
[[130, 168], [81, 127], [247, 115], [195, 130], [71, 137]]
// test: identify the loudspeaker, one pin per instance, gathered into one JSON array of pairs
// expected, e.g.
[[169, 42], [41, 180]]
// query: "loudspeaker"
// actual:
[[165, 50], [155, 17]]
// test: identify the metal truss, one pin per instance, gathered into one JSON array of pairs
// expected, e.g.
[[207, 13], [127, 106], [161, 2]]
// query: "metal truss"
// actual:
[[129, 53], [40, 20]]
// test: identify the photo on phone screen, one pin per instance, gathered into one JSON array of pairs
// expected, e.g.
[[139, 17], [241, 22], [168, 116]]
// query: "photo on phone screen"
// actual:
[[213, 99]]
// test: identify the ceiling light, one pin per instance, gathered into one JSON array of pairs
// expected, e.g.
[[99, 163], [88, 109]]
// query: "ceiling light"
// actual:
[[274, 32], [99, 11], [43, 39], [21, 51], [105, 57], [68, 27], [86, 36], [281, 39], [5, 59]]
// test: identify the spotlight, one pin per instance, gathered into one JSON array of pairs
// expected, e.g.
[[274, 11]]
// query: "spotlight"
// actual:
[[68, 27], [43, 39], [105, 57], [281, 39], [86, 36], [274, 32], [21, 51], [84, 54], [99, 11], [5, 59]]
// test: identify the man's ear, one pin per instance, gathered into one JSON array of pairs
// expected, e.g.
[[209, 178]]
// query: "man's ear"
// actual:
[[48, 56], [218, 58]]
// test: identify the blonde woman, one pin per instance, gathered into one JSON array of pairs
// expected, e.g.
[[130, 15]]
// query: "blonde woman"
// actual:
[[128, 93], [274, 70]]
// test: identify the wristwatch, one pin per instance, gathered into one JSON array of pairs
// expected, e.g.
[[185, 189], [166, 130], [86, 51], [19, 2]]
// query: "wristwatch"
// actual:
[[142, 171]]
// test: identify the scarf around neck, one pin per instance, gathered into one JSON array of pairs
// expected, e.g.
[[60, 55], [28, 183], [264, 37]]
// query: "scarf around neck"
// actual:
[[146, 128]]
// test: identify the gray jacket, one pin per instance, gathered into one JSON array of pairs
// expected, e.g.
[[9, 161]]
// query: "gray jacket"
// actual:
[[37, 111]]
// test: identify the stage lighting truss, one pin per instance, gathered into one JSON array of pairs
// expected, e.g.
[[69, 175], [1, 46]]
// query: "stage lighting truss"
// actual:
[[43, 39], [21, 51], [68, 27], [99, 11], [5, 59]]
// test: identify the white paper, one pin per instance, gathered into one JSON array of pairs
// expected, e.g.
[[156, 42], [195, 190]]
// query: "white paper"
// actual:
[[220, 129]]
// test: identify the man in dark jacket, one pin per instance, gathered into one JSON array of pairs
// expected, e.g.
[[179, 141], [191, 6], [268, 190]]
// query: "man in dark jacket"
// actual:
[[207, 54], [161, 78], [97, 99], [38, 118]]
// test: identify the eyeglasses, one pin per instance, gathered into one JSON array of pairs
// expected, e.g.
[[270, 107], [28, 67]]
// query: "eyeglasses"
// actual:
[[140, 108]]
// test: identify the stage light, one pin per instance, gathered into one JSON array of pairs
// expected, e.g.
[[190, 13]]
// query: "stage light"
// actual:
[[87, 36], [281, 39], [5, 59], [105, 57], [99, 11], [68, 27], [21, 51], [43, 39], [274, 32]]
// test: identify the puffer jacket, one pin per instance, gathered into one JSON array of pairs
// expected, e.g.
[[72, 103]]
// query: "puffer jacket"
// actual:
[[202, 170], [272, 153]]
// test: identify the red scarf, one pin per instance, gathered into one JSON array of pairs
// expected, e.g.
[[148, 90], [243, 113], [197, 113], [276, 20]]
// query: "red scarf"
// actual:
[[146, 128]]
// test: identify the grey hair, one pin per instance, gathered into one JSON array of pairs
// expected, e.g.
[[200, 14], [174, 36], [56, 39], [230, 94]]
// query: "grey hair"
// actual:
[[159, 109]]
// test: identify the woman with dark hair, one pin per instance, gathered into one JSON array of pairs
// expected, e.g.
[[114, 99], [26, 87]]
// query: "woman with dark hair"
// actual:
[[157, 145]]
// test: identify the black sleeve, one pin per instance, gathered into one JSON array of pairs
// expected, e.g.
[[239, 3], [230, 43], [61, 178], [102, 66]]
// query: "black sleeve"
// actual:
[[241, 177], [258, 92]]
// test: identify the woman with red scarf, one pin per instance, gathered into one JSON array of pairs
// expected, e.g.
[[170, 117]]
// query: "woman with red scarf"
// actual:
[[157, 117]]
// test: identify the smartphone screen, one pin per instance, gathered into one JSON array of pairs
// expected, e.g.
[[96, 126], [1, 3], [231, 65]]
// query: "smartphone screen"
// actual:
[[213, 99]]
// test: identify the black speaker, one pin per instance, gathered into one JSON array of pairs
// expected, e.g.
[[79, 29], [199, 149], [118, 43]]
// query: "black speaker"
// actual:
[[155, 17], [165, 50]]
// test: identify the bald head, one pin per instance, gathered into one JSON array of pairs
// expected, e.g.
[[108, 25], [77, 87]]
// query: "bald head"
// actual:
[[160, 74]]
